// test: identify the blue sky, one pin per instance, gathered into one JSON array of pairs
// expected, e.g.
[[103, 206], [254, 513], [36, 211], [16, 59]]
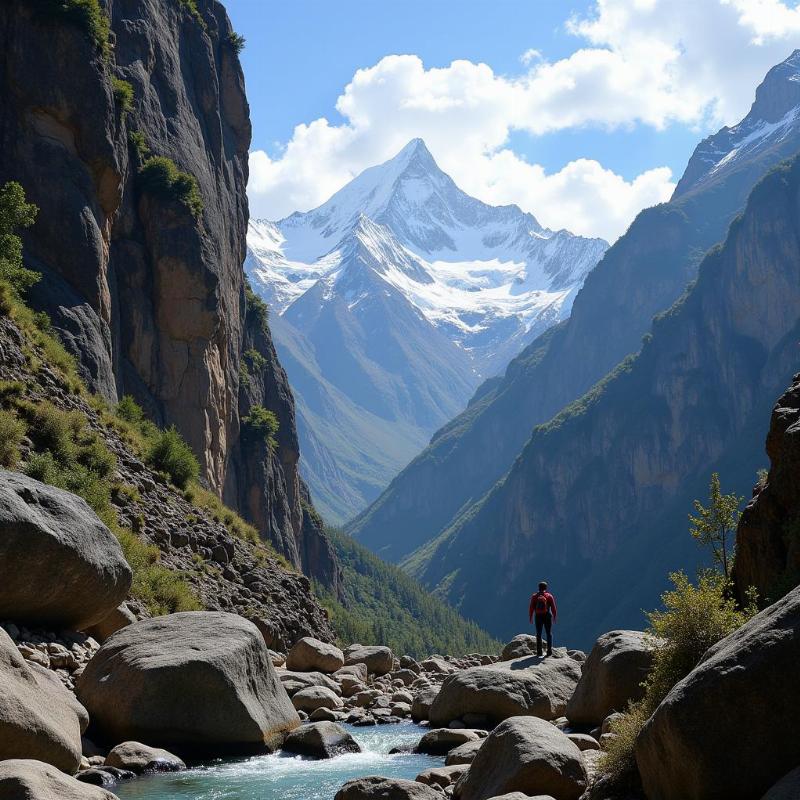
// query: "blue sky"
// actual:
[[606, 112]]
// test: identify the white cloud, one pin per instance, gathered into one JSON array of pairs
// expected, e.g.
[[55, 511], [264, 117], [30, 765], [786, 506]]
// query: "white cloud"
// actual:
[[650, 62]]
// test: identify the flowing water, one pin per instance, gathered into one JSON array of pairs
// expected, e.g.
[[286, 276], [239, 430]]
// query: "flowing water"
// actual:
[[288, 777]]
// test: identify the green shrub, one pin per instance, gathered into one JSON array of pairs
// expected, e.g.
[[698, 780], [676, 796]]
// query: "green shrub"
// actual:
[[170, 454], [15, 213], [129, 410], [12, 431], [256, 305], [86, 14], [139, 144], [255, 360], [263, 423], [123, 94], [191, 7], [236, 42], [97, 458], [53, 430], [161, 177]]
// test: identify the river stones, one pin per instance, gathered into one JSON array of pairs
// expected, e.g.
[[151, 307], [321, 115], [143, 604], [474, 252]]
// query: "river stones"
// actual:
[[612, 676], [442, 777], [528, 686], [528, 755], [374, 787], [315, 697], [378, 660], [192, 681], [39, 718], [308, 654], [441, 741], [25, 779], [422, 702], [60, 566], [138, 758], [295, 681], [464, 753], [321, 740], [727, 729]]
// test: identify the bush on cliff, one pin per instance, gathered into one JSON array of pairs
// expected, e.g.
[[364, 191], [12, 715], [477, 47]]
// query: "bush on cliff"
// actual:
[[170, 454], [161, 177], [263, 423], [86, 14], [15, 213]]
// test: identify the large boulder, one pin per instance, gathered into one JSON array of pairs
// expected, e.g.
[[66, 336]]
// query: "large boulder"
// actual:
[[315, 697], [378, 660], [25, 779], [612, 676], [321, 740], [374, 787], [294, 681], [700, 741], [441, 741], [521, 645], [422, 702], [529, 686], [308, 654], [464, 753], [137, 757], [39, 718], [195, 681], [787, 788], [60, 566], [528, 755]]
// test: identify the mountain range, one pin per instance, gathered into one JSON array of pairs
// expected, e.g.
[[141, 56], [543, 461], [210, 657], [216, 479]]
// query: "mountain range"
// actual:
[[443, 517], [391, 303]]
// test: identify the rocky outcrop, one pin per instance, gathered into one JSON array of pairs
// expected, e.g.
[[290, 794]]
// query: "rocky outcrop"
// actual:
[[321, 740], [145, 291], [741, 688], [60, 566], [599, 495], [612, 676], [193, 681], [768, 536], [528, 686], [39, 718], [140, 758], [26, 779], [526, 755]]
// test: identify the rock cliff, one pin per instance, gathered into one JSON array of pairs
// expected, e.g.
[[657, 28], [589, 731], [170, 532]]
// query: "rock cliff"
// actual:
[[597, 501], [142, 258], [768, 536]]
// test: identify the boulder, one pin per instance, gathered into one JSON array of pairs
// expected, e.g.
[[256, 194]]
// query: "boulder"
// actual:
[[378, 660], [139, 758], [437, 666], [528, 686], [60, 566], [374, 787], [294, 681], [528, 755], [315, 697], [612, 676], [321, 740], [325, 715], [584, 741], [120, 617], [196, 680], [699, 743], [520, 646], [464, 753], [25, 779], [441, 776], [308, 654], [787, 788], [441, 741], [422, 702], [354, 671], [39, 718]]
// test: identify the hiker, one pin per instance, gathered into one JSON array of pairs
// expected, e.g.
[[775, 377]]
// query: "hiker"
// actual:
[[543, 606]]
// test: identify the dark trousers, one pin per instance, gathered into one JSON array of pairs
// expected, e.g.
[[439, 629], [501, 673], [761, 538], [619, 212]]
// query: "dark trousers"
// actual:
[[544, 621]]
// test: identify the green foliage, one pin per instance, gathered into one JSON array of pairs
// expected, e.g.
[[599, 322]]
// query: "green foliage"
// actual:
[[236, 42], [694, 618], [715, 524], [123, 94], [161, 177], [12, 431], [86, 14], [256, 305], [383, 605], [255, 360], [191, 7], [263, 423], [15, 213], [139, 144], [169, 453]]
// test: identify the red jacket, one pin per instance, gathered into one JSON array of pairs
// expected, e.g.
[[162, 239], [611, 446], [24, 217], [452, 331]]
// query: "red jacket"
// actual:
[[550, 604]]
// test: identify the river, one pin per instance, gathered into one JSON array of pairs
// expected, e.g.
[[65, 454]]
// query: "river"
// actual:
[[288, 777]]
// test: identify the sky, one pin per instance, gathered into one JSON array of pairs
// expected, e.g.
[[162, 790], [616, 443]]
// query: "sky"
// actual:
[[581, 113]]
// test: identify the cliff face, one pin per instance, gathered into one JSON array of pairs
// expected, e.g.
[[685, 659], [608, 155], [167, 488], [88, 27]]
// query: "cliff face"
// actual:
[[147, 296], [768, 537], [643, 273], [597, 501]]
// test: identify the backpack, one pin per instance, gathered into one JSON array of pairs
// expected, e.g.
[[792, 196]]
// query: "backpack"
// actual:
[[541, 602]]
